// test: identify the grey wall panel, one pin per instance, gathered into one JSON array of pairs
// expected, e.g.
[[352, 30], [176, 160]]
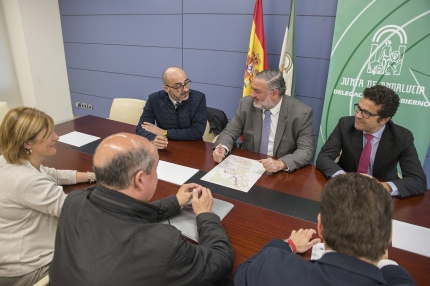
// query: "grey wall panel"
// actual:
[[273, 62], [219, 6], [101, 106], [221, 97], [142, 30], [316, 7], [111, 85], [274, 29], [133, 60], [274, 7], [231, 32], [217, 32], [316, 105], [236, 7], [314, 36], [85, 7], [277, 7], [311, 77], [215, 67]]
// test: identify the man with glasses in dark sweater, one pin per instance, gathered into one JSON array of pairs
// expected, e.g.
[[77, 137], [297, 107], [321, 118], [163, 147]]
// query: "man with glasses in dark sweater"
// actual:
[[176, 112]]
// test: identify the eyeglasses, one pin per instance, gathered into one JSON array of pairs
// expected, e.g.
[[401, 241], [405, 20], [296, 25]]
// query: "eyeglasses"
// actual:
[[366, 114], [180, 87]]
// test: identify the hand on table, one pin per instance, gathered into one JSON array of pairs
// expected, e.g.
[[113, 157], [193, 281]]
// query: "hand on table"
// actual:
[[302, 239], [202, 200], [152, 128], [160, 142], [385, 185], [185, 193], [219, 154], [272, 165]]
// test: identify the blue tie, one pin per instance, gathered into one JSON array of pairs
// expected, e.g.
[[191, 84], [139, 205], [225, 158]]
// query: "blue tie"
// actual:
[[265, 133]]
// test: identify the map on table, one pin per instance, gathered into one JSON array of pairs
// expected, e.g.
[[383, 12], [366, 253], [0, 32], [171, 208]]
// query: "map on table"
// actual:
[[236, 172]]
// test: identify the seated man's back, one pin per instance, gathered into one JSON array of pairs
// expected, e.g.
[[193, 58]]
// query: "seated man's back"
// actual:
[[113, 237]]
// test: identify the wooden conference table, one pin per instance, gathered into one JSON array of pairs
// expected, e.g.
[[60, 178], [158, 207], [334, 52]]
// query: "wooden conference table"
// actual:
[[249, 227]]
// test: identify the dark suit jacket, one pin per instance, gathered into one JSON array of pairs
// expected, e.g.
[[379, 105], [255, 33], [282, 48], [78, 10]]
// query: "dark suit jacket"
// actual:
[[294, 138], [396, 146], [275, 264]]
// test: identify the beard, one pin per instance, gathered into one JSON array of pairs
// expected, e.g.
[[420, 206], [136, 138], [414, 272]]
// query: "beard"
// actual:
[[266, 104]]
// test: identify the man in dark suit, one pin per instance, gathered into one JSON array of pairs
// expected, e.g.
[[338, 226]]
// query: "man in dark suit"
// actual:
[[389, 144], [355, 224], [176, 112], [290, 133]]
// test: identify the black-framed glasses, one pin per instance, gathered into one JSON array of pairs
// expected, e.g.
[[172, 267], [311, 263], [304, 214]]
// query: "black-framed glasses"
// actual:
[[180, 87], [366, 114]]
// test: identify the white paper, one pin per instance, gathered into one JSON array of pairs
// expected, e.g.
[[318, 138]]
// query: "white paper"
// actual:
[[174, 173], [317, 251], [236, 172], [77, 139], [411, 238], [185, 221]]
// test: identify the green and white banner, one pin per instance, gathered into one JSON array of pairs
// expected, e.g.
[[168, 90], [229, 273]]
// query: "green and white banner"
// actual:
[[381, 42]]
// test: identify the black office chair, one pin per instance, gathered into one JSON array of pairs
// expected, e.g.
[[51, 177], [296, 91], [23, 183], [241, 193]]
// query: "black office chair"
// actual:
[[217, 120]]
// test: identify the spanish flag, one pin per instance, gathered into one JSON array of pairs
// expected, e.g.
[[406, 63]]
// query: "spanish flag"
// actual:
[[256, 60]]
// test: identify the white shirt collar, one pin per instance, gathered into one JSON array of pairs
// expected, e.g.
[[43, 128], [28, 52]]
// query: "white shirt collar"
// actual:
[[275, 110], [173, 101], [377, 134]]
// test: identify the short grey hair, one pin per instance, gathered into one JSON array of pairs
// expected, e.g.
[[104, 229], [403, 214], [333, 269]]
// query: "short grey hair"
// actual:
[[119, 171], [274, 80]]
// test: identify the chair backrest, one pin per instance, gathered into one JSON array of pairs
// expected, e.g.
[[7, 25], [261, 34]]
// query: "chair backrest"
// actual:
[[127, 110], [43, 282], [208, 137], [4, 108], [217, 119]]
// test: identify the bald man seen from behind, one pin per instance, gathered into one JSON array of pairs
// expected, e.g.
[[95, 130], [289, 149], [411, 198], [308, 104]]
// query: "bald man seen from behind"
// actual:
[[113, 235]]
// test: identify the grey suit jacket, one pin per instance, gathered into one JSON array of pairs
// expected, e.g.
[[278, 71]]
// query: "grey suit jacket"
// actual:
[[294, 138], [396, 147]]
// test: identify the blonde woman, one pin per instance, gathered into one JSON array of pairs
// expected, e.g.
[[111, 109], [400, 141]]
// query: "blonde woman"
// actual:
[[31, 197]]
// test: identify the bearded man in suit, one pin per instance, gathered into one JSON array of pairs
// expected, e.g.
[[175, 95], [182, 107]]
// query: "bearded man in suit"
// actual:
[[272, 124]]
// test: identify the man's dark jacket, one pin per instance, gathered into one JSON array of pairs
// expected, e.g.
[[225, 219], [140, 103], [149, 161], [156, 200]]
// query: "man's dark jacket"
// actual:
[[395, 147], [107, 238], [187, 122], [275, 264], [217, 120]]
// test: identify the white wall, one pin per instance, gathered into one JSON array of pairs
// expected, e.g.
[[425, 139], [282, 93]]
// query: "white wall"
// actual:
[[36, 40], [9, 91]]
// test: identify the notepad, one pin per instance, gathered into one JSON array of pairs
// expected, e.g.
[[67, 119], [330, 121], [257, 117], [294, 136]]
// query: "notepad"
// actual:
[[174, 173], [185, 221], [411, 237], [77, 139]]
